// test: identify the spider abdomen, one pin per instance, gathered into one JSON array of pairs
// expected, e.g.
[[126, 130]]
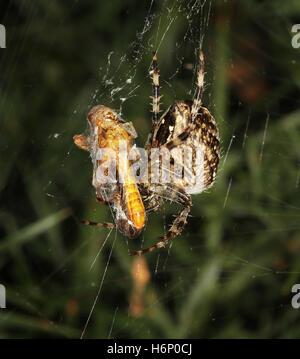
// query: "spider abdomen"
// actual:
[[200, 147]]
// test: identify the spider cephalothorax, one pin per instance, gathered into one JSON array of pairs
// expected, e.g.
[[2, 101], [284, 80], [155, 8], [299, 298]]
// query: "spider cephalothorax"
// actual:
[[186, 135]]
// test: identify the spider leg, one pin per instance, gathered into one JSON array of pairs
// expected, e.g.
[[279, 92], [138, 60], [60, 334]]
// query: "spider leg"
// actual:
[[177, 141], [153, 204], [155, 88], [203, 120], [177, 225], [200, 85], [105, 225], [81, 142], [155, 99], [195, 107], [102, 225]]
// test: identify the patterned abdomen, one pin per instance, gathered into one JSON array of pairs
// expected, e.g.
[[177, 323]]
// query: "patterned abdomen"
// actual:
[[200, 147]]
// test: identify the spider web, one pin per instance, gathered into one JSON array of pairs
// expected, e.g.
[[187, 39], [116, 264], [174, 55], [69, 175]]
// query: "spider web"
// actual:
[[119, 85], [226, 275]]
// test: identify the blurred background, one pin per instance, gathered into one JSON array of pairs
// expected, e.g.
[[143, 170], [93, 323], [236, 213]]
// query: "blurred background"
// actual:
[[230, 274]]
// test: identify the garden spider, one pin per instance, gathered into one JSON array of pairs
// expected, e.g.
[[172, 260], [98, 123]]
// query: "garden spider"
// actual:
[[185, 125]]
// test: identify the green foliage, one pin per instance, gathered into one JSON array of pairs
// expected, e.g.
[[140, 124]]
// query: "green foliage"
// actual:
[[230, 273]]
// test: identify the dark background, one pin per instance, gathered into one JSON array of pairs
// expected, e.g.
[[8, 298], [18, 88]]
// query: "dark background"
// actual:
[[231, 272]]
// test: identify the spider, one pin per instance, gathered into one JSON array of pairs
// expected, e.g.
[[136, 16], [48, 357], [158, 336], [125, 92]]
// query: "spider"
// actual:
[[185, 126]]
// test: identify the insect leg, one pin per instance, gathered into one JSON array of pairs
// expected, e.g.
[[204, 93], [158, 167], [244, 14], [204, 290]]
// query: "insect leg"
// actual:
[[81, 142]]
